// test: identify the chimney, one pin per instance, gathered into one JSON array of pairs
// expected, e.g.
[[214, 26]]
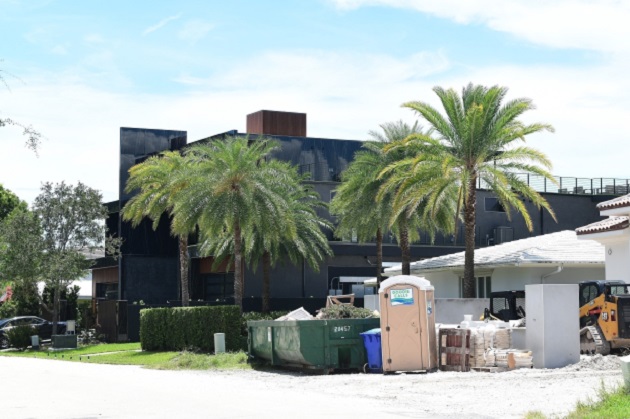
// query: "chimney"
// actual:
[[277, 123]]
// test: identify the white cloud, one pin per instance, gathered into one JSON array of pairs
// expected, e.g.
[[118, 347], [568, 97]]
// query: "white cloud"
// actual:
[[599, 25], [194, 30], [161, 24], [344, 95]]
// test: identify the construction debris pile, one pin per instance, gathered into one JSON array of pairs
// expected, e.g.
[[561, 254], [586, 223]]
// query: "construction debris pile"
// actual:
[[481, 348]]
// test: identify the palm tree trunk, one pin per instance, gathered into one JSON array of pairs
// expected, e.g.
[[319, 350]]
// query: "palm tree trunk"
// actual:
[[469, 224], [183, 269], [404, 247], [379, 257], [266, 291], [238, 267]]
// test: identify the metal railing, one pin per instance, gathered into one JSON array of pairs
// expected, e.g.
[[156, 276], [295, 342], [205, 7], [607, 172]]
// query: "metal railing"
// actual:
[[572, 185]]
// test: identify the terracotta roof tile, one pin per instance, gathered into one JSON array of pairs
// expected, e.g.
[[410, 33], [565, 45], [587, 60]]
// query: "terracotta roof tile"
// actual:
[[609, 224], [619, 202]]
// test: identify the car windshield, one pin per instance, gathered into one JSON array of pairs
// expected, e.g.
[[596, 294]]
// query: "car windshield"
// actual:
[[3, 322]]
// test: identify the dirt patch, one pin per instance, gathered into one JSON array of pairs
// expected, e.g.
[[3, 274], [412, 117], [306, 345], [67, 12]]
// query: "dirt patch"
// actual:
[[466, 395]]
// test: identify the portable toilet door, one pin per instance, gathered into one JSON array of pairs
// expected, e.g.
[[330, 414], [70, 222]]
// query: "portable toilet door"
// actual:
[[407, 324]]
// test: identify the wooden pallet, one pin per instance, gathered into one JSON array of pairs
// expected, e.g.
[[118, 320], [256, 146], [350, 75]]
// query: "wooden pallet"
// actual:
[[488, 369], [454, 350]]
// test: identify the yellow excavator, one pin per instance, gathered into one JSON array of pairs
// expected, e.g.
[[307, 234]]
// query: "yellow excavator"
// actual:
[[604, 316]]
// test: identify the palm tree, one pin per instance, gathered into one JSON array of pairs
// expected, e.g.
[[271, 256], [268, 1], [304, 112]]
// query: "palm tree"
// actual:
[[159, 180], [230, 190], [365, 208], [298, 236], [476, 141]]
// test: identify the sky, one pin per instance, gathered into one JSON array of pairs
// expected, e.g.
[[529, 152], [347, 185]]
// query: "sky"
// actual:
[[77, 71]]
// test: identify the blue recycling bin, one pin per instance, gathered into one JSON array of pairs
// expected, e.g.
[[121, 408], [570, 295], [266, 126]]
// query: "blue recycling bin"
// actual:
[[372, 343]]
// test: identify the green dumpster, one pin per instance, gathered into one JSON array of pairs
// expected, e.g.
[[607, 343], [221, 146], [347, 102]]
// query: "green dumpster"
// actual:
[[313, 344]]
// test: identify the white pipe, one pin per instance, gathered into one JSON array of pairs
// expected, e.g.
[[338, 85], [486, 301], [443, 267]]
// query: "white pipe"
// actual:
[[557, 271]]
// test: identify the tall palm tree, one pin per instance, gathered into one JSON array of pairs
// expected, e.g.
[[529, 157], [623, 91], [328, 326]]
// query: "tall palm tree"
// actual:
[[477, 140], [159, 180], [365, 208], [298, 236], [230, 190]]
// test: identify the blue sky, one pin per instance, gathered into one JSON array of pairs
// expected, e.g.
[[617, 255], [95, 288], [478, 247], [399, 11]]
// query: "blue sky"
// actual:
[[83, 69]]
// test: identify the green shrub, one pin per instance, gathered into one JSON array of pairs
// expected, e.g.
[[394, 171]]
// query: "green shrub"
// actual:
[[8, 309], [189, 328], [20, 336], [345, 312]]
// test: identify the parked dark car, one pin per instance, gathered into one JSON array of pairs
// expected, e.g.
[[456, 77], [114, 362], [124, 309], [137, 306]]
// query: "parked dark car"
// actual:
[[43, 327]]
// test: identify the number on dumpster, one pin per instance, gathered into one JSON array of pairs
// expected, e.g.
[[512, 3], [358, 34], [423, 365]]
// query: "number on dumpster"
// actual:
[[338, 329]]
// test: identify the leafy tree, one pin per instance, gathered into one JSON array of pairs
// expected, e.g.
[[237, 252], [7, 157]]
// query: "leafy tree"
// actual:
[[297, 236], [364, 205], [159, 180], [230, 190], [8, 202], [70, 295], [21, 258], [72, 223], [477, 140]]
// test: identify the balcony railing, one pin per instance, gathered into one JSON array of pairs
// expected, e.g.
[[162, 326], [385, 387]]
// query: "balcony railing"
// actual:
[[573, 185]]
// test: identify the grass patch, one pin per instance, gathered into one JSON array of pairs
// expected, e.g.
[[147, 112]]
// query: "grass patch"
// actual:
[[193, 361], [84, 350], [130, 354], [612, 405], [143, 358]]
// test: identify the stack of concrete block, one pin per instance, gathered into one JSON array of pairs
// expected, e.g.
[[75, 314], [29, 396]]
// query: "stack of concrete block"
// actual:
[[487, 338]]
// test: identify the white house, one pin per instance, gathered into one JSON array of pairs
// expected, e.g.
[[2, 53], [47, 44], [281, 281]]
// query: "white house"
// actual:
[[556, 258], [613, 233]]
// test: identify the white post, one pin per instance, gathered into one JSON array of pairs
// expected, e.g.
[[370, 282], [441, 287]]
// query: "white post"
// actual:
[[219, 343]]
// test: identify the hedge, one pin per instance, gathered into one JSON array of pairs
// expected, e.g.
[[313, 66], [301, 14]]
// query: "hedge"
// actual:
[[180, 328]]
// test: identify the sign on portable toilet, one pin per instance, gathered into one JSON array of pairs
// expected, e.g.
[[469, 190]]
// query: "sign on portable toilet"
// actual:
[[408, 324]]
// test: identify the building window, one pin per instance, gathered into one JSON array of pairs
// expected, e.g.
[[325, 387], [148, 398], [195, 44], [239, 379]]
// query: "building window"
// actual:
[[483, 286], [493, 205], [218, 286]]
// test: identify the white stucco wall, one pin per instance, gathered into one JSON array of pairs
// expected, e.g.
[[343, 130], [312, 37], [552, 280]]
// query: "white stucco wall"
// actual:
[[446, 283], [618, 260]]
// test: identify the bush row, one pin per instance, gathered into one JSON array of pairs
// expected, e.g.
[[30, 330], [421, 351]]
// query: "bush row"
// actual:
[[175, 329]]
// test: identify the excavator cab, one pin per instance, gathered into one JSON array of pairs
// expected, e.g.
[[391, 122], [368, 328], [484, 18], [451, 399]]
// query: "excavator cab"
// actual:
[[604, 316], [506, 306]]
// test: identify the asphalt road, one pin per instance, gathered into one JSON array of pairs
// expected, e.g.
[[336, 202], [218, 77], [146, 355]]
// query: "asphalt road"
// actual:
[[35, 388]]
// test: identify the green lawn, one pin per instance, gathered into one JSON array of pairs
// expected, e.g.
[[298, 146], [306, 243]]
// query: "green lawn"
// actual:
[[130, 354], [612, 405]]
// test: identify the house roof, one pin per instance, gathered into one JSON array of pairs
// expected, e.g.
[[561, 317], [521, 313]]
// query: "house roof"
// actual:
[[555, 248], [609, 224], [619, 202]]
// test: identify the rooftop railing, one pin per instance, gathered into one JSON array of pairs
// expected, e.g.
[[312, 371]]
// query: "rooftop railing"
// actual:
[[565, 185], [573, 185]]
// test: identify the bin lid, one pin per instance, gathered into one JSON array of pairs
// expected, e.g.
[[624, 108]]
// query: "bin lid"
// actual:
[[420, 282]]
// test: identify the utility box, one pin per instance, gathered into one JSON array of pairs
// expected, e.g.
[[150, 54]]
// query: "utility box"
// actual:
[[407, 324], [553, 325]]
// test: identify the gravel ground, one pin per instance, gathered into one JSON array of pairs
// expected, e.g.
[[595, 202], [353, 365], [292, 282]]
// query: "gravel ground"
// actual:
[[509, 394], [74, 390]]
